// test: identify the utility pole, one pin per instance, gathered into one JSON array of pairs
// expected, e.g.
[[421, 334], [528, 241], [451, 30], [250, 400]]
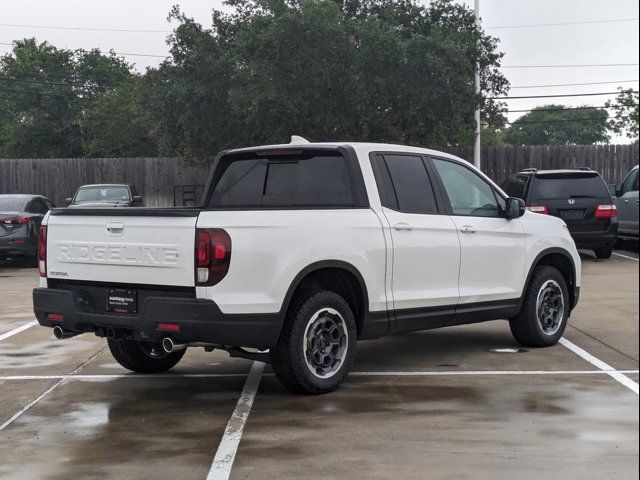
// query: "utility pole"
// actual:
[[476, 145]]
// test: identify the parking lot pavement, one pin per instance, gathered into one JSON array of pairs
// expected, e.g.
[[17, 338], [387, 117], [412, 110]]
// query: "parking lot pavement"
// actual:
[[463, 402]]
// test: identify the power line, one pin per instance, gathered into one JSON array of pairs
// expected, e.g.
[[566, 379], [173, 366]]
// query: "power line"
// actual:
[[573, 65], [573, 84], [50, 94], [604, 107], [43, 82], [558, 96], [117, 53], [93, 29], [566, 120], [588, 22]]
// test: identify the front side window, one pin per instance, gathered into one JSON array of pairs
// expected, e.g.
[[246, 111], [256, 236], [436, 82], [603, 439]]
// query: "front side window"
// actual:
[[469, 194], [299, 180]]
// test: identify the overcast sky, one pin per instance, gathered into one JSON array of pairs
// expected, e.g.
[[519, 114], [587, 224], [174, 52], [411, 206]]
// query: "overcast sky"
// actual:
[[594, 43]]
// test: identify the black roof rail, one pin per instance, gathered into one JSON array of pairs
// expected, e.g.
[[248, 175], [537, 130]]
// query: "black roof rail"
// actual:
[[529, 170], [586, 169]]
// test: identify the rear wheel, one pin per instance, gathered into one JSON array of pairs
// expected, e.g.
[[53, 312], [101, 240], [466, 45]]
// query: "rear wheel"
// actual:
[[317, 345], [143, 357], [604, 252], [545, 311]]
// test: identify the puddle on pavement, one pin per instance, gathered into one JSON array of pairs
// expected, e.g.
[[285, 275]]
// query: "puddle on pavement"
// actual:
[[40, 354]]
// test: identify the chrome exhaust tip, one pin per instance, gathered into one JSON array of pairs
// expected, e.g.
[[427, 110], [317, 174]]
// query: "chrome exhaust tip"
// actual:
[[60, 333], [169, 345]]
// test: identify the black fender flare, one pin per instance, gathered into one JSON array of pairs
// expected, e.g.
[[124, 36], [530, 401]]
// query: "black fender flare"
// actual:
[[549, 251]]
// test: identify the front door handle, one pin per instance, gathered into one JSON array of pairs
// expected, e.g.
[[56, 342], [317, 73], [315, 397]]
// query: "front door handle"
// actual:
[[467, 229], [403, 226]]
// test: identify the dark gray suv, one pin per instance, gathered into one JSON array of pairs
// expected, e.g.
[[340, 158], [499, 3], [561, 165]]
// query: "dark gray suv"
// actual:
[[20, 219], [626, 198]]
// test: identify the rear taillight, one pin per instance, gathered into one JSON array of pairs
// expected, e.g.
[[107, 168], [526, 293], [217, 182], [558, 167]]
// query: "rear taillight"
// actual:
[[42, 251], [15, 220], [606, 211], [212, 256], [538, 209]]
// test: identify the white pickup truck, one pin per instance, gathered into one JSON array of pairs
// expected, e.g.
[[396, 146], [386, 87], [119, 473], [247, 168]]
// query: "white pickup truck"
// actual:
[[300, 250]]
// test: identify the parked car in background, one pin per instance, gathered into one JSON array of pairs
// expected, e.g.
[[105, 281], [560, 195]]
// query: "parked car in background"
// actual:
[[20, 219], [627, 204], [105, 195], [580, 197]]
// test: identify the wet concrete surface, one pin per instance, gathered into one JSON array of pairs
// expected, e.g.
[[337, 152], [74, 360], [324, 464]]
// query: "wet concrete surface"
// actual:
[[471, 426]]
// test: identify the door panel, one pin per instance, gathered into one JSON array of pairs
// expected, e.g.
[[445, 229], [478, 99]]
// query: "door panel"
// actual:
[[492, 265], [426, 260]]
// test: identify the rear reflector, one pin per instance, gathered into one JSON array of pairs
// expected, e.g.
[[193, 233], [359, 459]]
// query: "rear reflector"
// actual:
[[42, 251], [606, 211], [212, 256], [538, 209], [55, 316], [169, 327]]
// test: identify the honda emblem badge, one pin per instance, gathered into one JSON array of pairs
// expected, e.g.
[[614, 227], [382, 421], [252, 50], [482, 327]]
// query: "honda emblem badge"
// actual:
[[572, 201]]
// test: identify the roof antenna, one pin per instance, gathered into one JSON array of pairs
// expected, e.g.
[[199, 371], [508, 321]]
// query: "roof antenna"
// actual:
[[297, 140]]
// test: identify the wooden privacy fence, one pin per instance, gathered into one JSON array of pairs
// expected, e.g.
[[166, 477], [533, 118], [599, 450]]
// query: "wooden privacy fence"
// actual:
[[167, 181]]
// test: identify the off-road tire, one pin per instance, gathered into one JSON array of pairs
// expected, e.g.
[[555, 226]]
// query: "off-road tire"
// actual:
[[288, 357], [131, 356], [525, 326]]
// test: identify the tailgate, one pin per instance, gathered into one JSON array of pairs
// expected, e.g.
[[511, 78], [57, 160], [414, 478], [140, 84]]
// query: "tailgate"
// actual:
[[122, 248]]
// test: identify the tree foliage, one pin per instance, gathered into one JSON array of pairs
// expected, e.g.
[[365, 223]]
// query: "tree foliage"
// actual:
[[377, 70], [45, 93], [369, 70], [559, 125], [626, 116]]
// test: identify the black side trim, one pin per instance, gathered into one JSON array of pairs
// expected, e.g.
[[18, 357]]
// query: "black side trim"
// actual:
[[128, 212], [414, 319]]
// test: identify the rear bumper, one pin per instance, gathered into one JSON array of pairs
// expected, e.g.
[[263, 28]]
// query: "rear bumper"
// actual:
[[592, 240], [11, 245], [200, 320]]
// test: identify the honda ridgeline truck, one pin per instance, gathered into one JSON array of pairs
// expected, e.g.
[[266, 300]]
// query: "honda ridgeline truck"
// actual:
[[300, 250]]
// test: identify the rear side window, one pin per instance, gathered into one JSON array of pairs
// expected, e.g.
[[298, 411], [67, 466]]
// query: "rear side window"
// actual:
[[569, 185], [516, 186], [404, 185], [301, 180]]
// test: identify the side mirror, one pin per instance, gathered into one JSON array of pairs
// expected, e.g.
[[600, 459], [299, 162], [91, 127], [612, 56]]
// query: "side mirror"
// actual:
[[137, 199], [613, 189], [515, 208], [69, 200]]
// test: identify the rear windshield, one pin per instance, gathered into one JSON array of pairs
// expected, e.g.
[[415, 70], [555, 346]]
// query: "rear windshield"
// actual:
[[11, 204], [568, 185], [102, 194], [319, 179], [516, 186]]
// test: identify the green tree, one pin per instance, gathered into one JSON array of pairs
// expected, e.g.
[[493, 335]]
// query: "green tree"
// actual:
[[377, 70], [44, 94], [559, 125], [626, 116]]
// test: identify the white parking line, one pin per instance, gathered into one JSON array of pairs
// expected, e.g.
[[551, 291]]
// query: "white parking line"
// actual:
[[608, 369], [226, 453], [441, 373], [11, 333], [625, 256], [47, 392]]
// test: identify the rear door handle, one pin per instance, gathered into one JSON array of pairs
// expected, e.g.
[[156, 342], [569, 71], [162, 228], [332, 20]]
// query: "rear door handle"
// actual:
[[467, 229], [403, 226]]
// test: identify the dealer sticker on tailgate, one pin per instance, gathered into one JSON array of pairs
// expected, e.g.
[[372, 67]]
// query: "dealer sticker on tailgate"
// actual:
[[120, 300]]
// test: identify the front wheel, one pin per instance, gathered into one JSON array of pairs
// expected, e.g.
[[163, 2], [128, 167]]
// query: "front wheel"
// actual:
[[143, 357], [545, 311], [317, 345]]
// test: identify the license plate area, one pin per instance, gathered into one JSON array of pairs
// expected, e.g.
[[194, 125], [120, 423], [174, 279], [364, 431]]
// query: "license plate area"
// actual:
[[120, 300], [572, 214]]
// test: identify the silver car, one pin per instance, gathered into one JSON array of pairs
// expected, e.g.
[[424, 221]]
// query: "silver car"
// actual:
[[627, 204]]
